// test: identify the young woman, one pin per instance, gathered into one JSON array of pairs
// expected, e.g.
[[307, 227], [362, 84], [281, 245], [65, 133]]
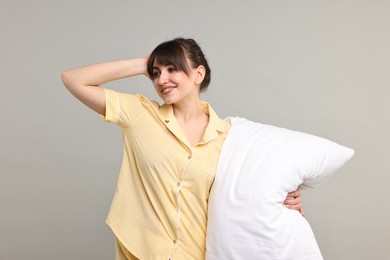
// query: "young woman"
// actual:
[[159, 210]]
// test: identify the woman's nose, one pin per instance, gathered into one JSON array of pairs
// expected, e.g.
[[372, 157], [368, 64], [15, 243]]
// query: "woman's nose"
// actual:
[[163, 78]]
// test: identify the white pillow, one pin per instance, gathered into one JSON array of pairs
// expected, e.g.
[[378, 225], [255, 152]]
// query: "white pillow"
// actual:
[[258, 165]]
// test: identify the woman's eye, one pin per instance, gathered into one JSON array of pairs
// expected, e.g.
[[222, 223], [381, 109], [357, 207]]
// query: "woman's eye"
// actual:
[[170, 70], [156, 74]]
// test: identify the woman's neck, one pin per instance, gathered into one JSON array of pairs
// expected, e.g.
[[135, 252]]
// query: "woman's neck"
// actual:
[[192, 120], [187, 111]]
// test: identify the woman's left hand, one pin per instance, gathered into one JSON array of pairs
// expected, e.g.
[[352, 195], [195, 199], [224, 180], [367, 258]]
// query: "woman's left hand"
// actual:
[[293, 201]]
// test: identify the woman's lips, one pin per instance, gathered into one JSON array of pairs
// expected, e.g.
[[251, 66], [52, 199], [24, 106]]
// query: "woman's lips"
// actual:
[[167, 90]]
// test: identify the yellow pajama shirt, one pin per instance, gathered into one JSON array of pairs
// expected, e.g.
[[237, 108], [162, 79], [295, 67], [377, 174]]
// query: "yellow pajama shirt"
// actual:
[[159, 210]]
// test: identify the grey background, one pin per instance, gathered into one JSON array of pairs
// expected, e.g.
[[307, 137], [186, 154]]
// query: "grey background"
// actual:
[[320, 67]]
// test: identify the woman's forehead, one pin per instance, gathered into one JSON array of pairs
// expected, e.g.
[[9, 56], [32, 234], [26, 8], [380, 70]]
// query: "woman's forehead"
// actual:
[[157, 65], [160, 61], [165, 60]]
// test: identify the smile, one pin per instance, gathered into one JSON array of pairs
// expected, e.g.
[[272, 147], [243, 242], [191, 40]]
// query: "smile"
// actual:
[[168, 90]]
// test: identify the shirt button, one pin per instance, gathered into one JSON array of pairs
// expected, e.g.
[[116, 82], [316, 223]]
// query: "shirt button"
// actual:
[[174, 241], [178, 184], [189, 156]]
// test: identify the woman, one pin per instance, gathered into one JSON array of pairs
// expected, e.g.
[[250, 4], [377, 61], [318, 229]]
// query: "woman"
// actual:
[[159, 210]]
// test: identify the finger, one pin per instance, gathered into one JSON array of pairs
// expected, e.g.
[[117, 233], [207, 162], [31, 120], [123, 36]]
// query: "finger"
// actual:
[[292, 201], [296, 193], [295, 207]]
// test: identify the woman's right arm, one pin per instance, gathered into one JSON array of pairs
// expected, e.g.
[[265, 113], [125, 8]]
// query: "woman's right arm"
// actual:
[[84, 82]]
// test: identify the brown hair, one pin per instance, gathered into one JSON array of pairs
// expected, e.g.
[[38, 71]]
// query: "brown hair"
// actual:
[[176, 52]]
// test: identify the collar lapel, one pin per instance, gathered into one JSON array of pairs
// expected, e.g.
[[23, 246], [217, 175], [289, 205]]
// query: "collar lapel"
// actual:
[[166, 112], [214, 126]]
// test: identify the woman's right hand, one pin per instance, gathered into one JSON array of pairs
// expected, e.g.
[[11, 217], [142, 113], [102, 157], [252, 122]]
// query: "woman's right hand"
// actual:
[[146, 59]]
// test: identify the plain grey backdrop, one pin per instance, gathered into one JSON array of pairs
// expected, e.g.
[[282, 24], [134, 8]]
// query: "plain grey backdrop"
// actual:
[[320, 67]]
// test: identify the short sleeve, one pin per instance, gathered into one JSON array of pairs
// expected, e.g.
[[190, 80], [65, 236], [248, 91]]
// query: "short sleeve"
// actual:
[[123, 108], [112, 106]]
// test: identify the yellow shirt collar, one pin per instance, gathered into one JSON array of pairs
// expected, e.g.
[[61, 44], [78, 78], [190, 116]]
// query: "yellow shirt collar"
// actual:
[[214, 126]]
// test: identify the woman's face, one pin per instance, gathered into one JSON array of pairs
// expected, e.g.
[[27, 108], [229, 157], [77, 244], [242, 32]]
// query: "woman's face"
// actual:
[[173, 85]]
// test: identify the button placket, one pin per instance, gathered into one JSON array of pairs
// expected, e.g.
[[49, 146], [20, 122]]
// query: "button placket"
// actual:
[[177, 188]]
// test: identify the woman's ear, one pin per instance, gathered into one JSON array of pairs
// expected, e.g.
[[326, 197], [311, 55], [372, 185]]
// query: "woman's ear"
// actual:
[[200, 74]]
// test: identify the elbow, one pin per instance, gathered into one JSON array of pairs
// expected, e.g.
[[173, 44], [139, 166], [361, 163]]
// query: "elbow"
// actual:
[[68, 80], [65, 77]]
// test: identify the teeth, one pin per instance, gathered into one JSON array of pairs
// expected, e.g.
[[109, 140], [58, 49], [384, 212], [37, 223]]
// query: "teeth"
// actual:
[[166, 90]]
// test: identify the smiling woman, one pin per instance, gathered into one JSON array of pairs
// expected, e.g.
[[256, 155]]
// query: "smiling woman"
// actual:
[[159, 210], [173, 84], [183, 54]]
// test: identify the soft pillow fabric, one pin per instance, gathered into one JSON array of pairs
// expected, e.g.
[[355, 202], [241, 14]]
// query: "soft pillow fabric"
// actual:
[[258, 165]]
